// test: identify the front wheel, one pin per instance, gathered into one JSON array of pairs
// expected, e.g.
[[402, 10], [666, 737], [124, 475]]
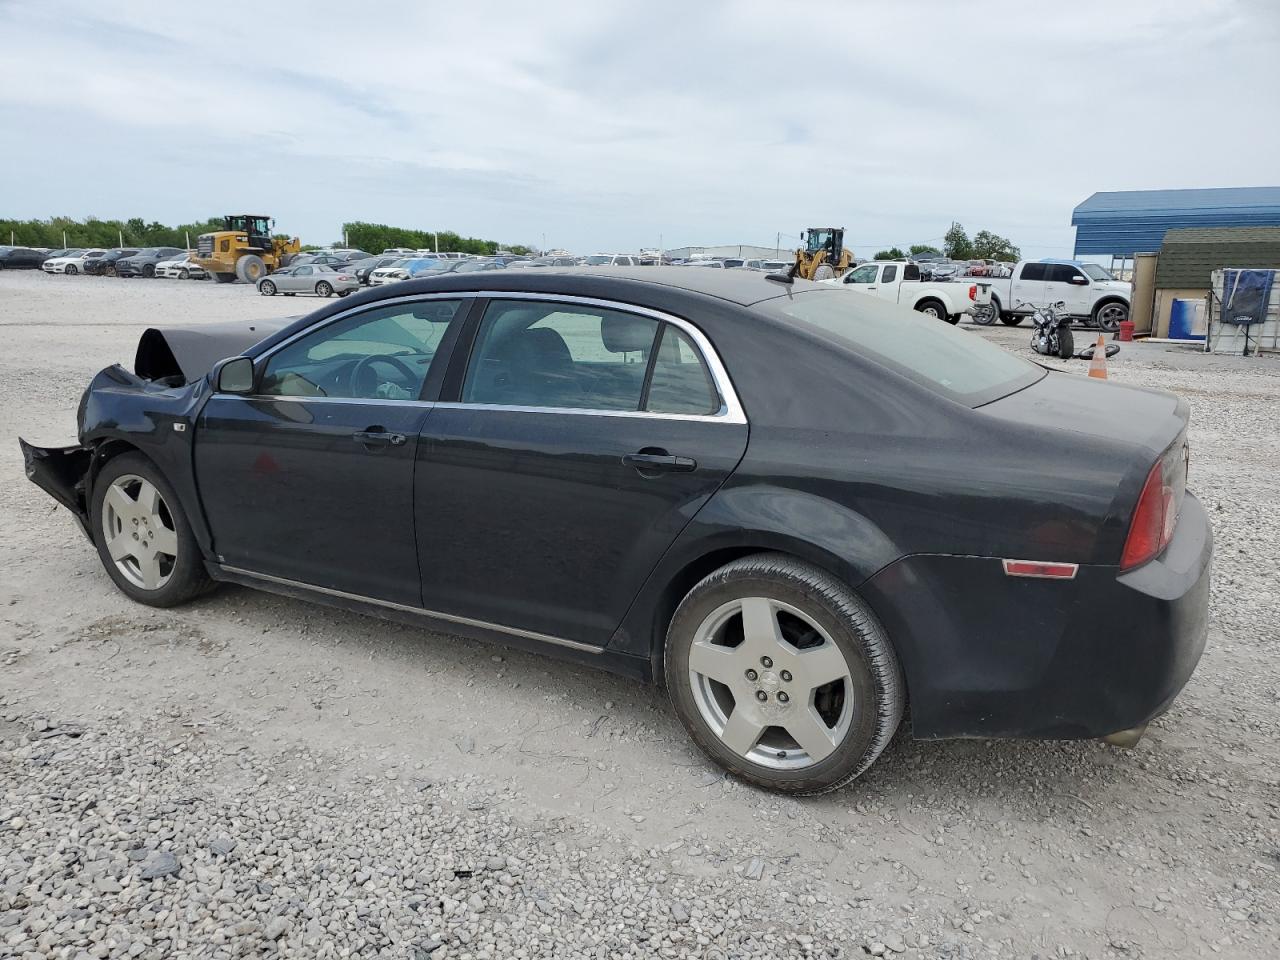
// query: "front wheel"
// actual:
[[250, 268], [71, 270], [225, 277], [324, 289], [267, 288], [184, 274], [782, 675], [1011, 319], [824, 272], [142, 535], [986, 314]]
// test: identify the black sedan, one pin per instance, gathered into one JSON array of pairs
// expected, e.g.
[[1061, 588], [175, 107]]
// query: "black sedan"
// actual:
[[106, 264], [143, 263], [22, 258], [808, 511]]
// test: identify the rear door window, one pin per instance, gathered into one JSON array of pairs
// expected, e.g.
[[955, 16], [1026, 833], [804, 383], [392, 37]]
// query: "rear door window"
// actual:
[[890, 274], [1034, 271], [680, 381]]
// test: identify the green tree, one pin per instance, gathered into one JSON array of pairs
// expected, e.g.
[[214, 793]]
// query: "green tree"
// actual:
[[956, 243], [992, 246], [893, 253], [924, 249]]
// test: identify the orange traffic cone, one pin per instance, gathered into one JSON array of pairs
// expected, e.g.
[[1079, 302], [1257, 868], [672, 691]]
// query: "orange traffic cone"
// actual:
[[1098, 363]]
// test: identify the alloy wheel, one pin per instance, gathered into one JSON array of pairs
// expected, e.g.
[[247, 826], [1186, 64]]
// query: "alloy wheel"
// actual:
[[1109, 317], [139, 532], [771, 683]]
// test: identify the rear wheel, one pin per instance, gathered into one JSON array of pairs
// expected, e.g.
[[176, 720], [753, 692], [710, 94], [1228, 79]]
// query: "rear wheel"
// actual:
[[267, 288], [932, 308], [1011, 319], [1066, 343], [1109, 315], [250, 268], [324, 289], [782, 675], [142, 535]]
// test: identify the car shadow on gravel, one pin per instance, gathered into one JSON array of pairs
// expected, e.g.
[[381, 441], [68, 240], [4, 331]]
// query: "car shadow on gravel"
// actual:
[[1031, 771]]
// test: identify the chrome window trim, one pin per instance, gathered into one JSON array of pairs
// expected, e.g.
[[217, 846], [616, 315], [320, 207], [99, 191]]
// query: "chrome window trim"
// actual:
[[408, 608], [730, 407]]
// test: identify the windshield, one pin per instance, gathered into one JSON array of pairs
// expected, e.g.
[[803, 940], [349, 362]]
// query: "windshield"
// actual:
[[1097, 273], [598, 261], [956, 364]]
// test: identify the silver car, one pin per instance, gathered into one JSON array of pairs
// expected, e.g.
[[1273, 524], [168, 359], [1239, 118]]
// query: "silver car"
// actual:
[[308, 278]]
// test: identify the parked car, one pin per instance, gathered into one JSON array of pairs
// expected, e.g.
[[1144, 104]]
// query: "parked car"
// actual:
[[619, 469], [106, 264], [57, 261], [337, 261], [181, 268], [22, 258], [403, 269], [607, 260], [73, 263], [1089, 292], [769, 266], [315, 278], [143, 263], [898, 281], [361, 269]]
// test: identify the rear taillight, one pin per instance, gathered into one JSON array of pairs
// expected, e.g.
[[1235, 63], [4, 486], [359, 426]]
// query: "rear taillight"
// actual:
[[973, 291], [1156, 514]]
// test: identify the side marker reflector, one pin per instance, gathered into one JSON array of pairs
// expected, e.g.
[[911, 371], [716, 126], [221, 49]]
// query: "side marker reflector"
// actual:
[[1040, 569]]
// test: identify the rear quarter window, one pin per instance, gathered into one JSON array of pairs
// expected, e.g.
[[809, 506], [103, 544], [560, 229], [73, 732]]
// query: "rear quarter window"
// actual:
[[948, 360]]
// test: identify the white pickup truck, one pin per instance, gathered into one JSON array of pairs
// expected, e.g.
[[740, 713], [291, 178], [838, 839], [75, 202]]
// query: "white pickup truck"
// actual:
[[898, 281], [1090, 293]]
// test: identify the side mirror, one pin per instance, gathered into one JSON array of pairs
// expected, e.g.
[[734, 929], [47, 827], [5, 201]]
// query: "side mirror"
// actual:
[[233, 375], [1079, 281]]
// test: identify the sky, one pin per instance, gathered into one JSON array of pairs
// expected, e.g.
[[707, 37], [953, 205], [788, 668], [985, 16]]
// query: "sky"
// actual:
[[602, 126]]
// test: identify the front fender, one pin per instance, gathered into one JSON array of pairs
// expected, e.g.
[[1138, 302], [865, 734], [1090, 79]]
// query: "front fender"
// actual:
[[753, 518], [158, 420]]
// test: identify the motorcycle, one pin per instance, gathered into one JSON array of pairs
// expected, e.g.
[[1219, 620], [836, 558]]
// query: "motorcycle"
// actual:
[[1052, 335]]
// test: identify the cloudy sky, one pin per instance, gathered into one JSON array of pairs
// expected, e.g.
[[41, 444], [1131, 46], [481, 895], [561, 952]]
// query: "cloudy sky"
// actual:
[[607, 126]]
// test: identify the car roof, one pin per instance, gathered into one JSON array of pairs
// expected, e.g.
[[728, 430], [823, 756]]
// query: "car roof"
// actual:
[[740, 287]]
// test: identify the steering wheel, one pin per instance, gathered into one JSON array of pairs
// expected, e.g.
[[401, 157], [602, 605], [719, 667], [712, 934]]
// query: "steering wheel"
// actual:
[[365, 366]]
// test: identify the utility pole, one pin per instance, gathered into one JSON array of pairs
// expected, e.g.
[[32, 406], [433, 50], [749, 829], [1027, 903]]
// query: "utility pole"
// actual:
[[64, 239], [436, 234], [188, 236], [120, 237]]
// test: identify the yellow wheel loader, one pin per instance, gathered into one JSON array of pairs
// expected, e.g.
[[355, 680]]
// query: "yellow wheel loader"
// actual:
[[244, 250], [823, 256]]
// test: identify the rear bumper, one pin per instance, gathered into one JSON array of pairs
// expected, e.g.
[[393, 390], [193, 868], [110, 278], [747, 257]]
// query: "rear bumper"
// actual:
[[988, 655], [61, 472]]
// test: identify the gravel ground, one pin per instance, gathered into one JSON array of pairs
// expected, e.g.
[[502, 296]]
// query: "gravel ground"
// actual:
[[251, 775]]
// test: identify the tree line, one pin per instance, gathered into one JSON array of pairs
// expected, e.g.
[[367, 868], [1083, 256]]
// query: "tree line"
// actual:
[[136, 232], [956, 245], [93, 232], [376, 237]]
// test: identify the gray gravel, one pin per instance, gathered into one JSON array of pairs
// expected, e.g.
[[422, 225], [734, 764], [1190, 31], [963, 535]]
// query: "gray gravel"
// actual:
[[308, 783]]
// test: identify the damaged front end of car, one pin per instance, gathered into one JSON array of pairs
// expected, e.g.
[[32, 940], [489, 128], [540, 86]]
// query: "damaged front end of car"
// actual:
[[149, 409]]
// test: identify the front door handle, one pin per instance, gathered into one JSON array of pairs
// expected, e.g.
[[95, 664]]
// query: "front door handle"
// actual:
[[651, 460], [378, 437]]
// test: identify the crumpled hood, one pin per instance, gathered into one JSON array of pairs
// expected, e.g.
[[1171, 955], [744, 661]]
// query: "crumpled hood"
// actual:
[[191, 352]]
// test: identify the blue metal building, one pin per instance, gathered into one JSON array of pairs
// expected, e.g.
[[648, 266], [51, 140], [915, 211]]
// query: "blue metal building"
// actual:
[[1124, 222]]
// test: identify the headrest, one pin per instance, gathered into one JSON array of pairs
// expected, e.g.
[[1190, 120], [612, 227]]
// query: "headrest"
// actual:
[[623, 334]]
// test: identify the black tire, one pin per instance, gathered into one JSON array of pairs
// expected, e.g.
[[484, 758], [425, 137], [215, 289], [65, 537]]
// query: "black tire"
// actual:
[[933, 308], [184, 274], [873, 671], [987, 314], [267, 288], [344, 293], [187, 577], [1066, 343], [1011, 319], [1109, 314], [148, 270], [71, 270], [324, 289], [225, 277]]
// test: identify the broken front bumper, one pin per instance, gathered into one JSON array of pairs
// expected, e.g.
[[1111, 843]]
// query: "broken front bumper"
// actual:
[[61, 472]]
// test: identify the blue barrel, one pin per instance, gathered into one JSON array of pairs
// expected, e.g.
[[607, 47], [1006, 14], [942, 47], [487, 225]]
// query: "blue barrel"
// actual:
[[1182, 320]]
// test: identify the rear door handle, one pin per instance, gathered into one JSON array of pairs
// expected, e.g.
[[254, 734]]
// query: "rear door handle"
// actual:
[[378, 437], [659, 462]]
